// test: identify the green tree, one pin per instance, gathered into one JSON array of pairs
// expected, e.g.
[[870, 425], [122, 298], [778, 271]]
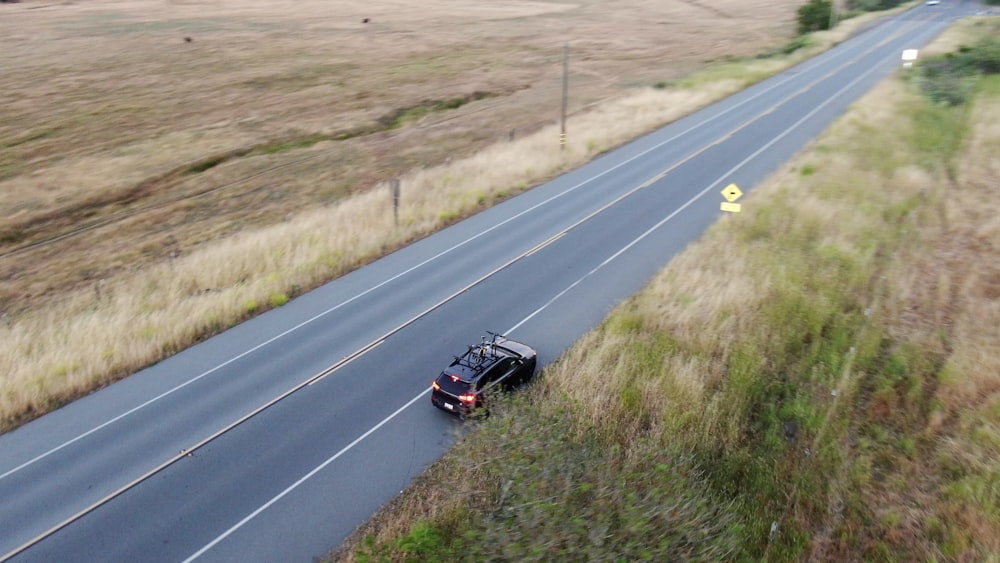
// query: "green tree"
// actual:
[[985, 56], [815, 15]]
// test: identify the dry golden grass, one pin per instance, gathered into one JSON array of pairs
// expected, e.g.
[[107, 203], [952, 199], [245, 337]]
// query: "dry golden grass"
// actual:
[[94, 308], [947, 299], [934, 494], [974, 224], [943, 299], [107, 106]]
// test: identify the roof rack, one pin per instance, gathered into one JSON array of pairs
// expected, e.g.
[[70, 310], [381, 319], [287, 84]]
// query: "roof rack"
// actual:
[[478, 354]]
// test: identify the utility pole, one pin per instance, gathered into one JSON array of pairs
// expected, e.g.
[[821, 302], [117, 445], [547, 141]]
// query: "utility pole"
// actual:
[[833, 14], [394, 190], [565, 95]]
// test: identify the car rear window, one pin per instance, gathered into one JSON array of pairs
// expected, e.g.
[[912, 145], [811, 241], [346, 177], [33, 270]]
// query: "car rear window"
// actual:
[[451, 384]]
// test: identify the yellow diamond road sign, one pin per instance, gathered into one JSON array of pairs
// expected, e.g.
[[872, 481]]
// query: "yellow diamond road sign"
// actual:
[[732, 193]]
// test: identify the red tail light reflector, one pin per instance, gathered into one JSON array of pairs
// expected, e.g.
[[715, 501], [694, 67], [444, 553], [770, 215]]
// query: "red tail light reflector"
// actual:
[[467, 398], [435, 385]]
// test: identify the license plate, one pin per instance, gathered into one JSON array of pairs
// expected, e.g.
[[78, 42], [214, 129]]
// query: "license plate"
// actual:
[[449, 407]]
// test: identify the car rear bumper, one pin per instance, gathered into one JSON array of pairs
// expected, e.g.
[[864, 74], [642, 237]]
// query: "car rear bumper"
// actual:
[[450, 405]]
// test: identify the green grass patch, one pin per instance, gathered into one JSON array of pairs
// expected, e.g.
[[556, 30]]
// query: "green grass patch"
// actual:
[[206, 164], [939, 131], [800, 42], [32, 136], [721, 72], [449, 216], [544, 489], [302, 142], [949, 80], [405, 116]]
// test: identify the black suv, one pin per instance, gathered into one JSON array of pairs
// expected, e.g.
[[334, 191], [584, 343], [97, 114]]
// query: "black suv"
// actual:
[[496, 363]]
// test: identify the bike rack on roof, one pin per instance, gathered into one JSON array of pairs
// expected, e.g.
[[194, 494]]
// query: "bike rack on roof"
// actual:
[[477, 354]]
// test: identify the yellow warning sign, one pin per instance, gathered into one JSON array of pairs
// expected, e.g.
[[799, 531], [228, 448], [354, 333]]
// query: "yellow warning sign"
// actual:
[[732, 193], [731, 207]]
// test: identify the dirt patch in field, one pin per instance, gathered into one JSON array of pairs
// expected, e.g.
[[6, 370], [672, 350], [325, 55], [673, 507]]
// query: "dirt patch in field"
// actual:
[[164, 125]]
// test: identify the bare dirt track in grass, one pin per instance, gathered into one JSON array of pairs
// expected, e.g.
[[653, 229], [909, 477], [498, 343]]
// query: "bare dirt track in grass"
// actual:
[[274, 107]]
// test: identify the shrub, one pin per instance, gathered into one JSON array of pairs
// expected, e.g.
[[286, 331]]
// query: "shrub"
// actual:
[[795, 45], [944, 83], [948, 80], [872, 5], [814, 16], [985, 56]]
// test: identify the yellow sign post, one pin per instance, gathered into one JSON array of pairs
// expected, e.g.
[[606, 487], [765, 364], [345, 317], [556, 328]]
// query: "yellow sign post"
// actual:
[[731, 193]]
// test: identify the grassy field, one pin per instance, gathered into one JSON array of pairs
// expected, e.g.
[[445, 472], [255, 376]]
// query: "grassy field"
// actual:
[[224, 159], [815, 379], [201, 119]]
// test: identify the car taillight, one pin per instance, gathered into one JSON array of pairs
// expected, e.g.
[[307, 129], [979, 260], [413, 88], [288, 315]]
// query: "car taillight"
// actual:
[[467, 398], [435, 385]]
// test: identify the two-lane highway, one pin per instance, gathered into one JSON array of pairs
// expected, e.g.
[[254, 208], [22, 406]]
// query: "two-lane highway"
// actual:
[[274, 440]]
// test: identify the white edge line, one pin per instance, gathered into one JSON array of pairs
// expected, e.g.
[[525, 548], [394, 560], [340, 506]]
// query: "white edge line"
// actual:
[[320, 467], [698, 196], [304, 478]]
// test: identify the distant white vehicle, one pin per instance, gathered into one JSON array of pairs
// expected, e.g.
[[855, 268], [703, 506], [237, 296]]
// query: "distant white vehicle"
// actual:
[[933, 2]]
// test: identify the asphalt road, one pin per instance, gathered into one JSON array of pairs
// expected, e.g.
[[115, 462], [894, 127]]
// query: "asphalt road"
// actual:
[[274, 440]]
